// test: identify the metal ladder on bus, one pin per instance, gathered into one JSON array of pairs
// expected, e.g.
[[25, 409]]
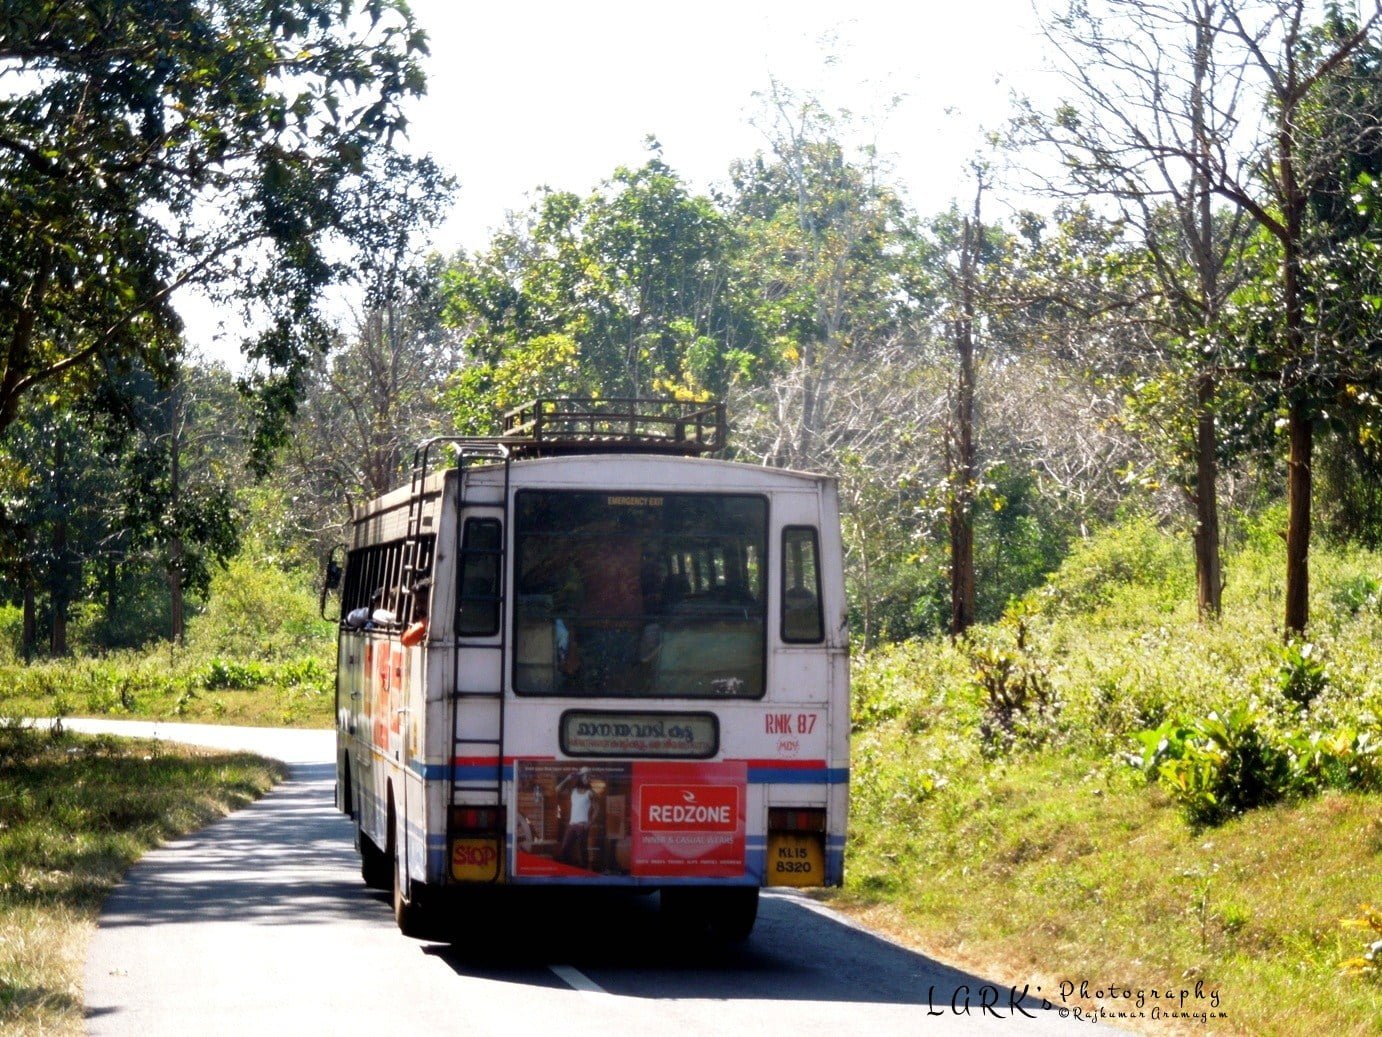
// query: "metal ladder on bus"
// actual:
[[488, 741]]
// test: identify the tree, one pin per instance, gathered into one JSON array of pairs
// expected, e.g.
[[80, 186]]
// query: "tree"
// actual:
[[626, 292], [1201, 136], [369, 402], [961, 450], [1345, 206], [233, 145], [1153, 108], [825, 240], [178, 502], [1309, 364], [123, 501]]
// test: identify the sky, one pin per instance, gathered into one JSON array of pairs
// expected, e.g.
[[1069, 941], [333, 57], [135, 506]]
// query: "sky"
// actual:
[[527, 93], [530, 93]]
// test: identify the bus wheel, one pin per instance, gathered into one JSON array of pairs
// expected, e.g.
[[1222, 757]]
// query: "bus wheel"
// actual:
[[724, 914], [414, 914], [376, 865]]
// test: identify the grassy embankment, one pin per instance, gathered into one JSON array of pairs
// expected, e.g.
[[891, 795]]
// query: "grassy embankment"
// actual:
[[75, 813], [1050, 843]]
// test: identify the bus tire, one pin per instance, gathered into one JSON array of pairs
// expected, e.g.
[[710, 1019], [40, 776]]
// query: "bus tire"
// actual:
[[724, 914], [731, 913], [376, 865], [413, 914], [347, 793]]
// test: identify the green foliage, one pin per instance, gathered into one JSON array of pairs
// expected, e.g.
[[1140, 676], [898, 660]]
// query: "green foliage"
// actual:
[[1021, 536], [222, 674], [1133, 554], [1218, 765], [1362, 593], [11, 633], [1225, 763], [907, 683], [225, 674], [888, 788], [259, 611], [1019, 700], [1303, 674], [236, 146], [140, 615], [627, 292], [897, 565], [1343, 758], [1348, 472], [110, 503]]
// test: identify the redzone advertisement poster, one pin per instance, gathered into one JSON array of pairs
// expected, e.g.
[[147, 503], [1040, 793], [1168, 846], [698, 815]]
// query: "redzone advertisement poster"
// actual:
[[689, 819], [644, 818]]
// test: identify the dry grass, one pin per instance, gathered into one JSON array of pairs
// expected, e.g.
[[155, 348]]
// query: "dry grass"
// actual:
[[75, 813]]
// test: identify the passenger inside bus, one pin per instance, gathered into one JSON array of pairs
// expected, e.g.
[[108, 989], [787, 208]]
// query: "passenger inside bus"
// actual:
[[611, 607]]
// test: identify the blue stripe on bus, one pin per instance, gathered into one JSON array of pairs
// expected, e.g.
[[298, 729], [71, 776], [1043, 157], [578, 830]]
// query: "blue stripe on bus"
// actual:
[[793, 776], [467, 772]]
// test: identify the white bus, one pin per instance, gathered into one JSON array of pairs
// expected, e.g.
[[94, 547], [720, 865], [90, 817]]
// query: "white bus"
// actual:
[[587, 653]]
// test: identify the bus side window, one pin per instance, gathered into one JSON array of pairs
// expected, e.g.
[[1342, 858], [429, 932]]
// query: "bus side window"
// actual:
[[477, 579], [802, 621]]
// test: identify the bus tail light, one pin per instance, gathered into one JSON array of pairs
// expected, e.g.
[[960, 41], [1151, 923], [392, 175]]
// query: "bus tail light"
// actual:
[[795, 819], [796, 846], [477, 819]]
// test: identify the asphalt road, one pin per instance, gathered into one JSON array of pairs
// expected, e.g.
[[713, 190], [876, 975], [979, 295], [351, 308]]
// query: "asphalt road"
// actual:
[[259, 924]]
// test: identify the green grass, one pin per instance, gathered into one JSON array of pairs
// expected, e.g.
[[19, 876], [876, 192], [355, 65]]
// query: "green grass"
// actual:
[[1037, 853], [174, 684], [75, 813]]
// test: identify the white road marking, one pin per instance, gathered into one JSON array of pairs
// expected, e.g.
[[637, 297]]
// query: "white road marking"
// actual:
[[577, 980]]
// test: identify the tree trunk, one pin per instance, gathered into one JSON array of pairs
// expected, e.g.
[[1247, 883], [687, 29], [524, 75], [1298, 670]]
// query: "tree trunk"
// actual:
[[1298, 490], [61, 586], [1208, 568], [176, 605], [1299, 426], [58, 644], [29, 631], [963, 465]]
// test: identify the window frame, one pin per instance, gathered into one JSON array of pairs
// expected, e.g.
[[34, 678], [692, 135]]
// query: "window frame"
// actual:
[[813, 541], [762, 552], [494, 599]]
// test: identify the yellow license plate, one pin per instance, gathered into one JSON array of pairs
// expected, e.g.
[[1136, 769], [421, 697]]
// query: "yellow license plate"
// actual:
[[795, 860], [475, 860]]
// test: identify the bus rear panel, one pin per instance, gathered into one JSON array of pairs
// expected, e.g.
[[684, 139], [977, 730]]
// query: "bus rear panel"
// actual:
[[613, 669]]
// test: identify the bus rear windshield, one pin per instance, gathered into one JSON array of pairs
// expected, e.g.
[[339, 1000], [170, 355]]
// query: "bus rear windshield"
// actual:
[[644, 595]]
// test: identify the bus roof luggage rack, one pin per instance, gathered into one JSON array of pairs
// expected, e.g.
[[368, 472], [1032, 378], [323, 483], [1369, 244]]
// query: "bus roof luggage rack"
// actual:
[[547, 427]]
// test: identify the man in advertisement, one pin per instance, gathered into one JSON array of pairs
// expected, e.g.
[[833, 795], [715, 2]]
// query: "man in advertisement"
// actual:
[[575, 844]]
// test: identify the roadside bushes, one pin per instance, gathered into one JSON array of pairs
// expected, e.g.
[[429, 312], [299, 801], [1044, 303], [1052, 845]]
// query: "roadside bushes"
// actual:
[[1019, 701], [295, 673], [1111, 655], [259, 611], [1230, 761], [1135, 554]]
